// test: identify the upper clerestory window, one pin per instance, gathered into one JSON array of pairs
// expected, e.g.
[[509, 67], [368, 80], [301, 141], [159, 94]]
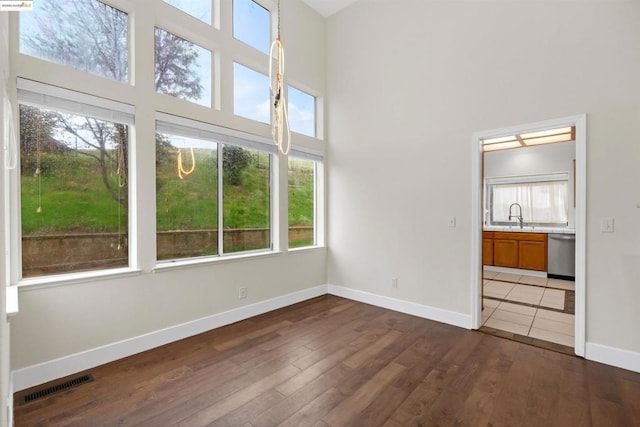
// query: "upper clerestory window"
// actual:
[[251, 24], [200, 9], [182, 68], [85, 34]]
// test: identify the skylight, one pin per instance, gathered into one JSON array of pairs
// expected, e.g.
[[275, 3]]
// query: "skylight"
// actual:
[[549, 136]]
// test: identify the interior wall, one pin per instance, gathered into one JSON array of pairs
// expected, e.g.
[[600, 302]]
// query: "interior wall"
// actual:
[[535, 160], [409, 82], [68, 318], [4, 325]]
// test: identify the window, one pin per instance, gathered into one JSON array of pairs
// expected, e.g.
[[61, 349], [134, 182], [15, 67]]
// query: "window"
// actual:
[[182, 69], [84, 34], [246, 199], [213, 190], [200, 9], [77, 200], [302, 112], [74, 192], [301, 202], [542, 200], [251, 24], [186, 197], [251, 94]]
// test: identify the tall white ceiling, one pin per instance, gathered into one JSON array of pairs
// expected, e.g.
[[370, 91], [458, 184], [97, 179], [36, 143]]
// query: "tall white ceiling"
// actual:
[[327, 8]]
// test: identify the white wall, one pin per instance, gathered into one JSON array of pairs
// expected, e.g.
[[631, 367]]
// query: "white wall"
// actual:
[[64, 320], [408, 82], [535, 160], [4, 326]]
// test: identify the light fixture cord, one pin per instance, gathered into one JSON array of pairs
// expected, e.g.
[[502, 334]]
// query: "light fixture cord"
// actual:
[[280, 119]]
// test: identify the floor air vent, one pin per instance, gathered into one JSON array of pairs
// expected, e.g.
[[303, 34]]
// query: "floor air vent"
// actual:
[[57, 388]]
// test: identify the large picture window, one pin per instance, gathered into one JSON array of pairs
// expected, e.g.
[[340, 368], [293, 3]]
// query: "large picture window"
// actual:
[[74, 192], [213, 197], [87, 100], [84, 34]]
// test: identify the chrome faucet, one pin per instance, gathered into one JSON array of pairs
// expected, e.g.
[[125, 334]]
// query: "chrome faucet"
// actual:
[[519, 216]]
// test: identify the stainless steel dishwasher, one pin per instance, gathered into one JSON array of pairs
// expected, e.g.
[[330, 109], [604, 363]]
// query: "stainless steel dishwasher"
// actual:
[[561, 256]]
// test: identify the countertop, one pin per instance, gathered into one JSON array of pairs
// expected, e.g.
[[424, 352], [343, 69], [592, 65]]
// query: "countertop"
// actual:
[[517, 229]]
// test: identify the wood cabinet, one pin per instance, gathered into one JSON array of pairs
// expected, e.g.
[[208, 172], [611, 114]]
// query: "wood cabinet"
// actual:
[[532, 255], [505, 253], [527, 251], [487, 248]]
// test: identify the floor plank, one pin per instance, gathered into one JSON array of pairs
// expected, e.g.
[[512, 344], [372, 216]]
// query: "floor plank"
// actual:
[[329, 361]]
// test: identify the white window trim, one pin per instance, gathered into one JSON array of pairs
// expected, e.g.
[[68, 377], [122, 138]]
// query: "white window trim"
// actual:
[[181, 126], [46, 96]]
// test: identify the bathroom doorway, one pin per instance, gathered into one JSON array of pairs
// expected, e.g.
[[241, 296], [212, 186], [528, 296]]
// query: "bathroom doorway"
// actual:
[[516, 282]]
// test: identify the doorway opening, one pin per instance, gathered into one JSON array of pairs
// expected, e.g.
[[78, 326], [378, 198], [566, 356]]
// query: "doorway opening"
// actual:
[[577, 124]]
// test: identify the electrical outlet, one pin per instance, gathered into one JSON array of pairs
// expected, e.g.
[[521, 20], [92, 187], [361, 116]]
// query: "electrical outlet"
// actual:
[[242, 292], [394, 282]]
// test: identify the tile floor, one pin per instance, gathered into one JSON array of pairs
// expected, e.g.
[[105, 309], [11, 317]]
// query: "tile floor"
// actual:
[[529, 306]]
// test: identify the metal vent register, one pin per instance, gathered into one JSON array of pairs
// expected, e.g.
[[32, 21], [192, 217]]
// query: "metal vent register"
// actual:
[[57, 388]]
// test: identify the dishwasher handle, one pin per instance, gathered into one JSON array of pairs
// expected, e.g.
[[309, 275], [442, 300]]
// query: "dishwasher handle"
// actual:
[[562, 236]]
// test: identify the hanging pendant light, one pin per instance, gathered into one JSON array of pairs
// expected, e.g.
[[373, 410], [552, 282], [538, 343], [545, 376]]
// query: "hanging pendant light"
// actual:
[[280, 131]]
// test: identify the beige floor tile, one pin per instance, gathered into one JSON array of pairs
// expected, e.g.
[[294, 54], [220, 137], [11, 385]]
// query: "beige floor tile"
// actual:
[[561, 284], [525, 294], [517, 308], [551, 303], [486, 313], [507, 326], [553, 298], [497, 289], [490, 302], [524, 298], [510, 316], [532, 280], [531, 290], [508, 277], [553, 326], [554, 315], [556, 337], [489, 274]]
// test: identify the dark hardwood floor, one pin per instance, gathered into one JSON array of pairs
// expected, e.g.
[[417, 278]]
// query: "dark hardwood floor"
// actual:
[[333, 362]]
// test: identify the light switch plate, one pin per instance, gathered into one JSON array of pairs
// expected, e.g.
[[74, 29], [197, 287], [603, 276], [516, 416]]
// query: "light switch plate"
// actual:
[[452, 221], [606, 225]]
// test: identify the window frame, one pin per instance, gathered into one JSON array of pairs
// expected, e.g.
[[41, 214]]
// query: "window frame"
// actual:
[[40, 95], [317, 167], [181, 126], [315, 110], [138, 94]]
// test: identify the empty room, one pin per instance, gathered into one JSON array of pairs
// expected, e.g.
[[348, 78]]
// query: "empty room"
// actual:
[[324, 213]]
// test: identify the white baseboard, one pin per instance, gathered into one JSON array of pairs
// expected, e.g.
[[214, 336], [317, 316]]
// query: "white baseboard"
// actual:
[[407, 307], [515, 271], [68, 365], [613, 356], [44, 372]]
